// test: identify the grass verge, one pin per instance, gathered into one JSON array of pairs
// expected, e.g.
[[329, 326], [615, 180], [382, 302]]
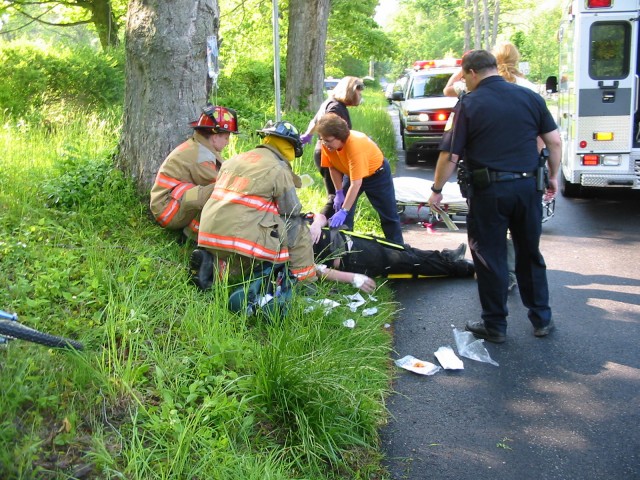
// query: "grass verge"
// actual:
[[171, 384]]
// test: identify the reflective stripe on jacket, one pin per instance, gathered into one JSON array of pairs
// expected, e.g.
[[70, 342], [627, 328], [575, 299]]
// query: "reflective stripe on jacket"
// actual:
[[184, 183], [254, 211]]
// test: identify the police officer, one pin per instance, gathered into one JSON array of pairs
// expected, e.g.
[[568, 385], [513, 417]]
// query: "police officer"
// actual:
[[496, 130]]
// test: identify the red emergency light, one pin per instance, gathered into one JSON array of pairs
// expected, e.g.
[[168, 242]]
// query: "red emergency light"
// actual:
[[598, 3], [444, 62], [441, 117]]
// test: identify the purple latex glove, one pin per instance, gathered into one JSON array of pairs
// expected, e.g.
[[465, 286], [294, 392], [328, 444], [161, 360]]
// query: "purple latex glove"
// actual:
[[338, 219], [338, 200], [306, 138]]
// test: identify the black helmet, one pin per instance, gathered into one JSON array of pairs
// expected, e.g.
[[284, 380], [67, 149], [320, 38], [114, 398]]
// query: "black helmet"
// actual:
[[284, 130]]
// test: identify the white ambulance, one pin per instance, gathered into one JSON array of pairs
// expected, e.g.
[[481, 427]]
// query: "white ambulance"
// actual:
[[598, 95]]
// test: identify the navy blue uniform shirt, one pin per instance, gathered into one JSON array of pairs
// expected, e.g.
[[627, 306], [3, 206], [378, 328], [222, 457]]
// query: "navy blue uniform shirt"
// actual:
[[497, 126]]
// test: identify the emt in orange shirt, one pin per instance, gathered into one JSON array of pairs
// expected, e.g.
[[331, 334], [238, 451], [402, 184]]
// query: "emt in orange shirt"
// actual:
[[357, 165]]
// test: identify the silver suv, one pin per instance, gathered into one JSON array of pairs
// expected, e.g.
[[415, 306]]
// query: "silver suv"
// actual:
[[424, 110]]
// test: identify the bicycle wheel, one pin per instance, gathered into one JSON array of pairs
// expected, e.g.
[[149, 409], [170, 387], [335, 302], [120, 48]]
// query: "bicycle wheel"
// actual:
[[14, 329]]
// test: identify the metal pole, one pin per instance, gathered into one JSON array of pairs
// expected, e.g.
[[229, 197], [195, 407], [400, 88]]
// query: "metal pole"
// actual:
[[276, 58]]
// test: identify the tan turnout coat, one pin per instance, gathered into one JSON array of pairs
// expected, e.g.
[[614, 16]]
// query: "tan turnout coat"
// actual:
[[184, 184], [254, 211]]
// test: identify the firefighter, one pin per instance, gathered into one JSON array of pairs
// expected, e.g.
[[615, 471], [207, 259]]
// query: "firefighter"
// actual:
[[186, 178], [254, 211]]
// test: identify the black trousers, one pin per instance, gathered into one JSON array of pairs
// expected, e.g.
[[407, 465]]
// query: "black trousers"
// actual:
[[515, 205], [379, 258]]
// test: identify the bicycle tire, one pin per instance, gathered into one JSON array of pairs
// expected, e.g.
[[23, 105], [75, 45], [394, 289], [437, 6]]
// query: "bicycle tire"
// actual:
[[14, 329]]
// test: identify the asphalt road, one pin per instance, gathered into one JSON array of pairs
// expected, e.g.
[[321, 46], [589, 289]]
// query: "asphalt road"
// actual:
[[563, 407]]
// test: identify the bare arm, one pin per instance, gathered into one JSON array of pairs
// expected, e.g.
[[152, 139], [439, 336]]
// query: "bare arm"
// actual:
[[364, 283], [444, 169], [358, 280], [351, 195], [554, 143], [319, 221], [450, 89], [336, 178]]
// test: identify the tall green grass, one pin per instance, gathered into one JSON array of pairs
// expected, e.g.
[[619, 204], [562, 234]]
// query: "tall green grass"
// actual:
[[171, 384]]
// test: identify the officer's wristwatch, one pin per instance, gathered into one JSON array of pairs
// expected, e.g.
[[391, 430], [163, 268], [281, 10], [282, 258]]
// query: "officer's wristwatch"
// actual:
[[435, 190]]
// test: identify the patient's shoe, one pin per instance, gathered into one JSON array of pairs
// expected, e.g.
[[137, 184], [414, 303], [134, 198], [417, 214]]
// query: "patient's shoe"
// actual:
[[455, 255], [464, 268]]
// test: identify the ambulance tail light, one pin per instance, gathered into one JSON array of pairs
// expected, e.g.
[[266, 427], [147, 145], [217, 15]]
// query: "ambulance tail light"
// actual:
[[590, 160], [599, 3]]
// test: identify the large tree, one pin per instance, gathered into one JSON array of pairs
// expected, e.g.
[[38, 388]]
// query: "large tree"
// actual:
[[103, 15], [167, 80], [306, 38]]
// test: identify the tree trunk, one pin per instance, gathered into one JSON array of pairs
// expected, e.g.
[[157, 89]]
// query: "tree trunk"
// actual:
[[496, 17], [166, 79], [487, 26], [105, 22], [308, 22], [467, 26], [477, 44]]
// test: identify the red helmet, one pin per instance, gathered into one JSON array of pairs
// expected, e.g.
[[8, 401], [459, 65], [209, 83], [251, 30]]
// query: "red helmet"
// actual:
[[218, 119]]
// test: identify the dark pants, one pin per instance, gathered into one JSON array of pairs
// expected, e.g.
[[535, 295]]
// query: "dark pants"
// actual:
[[324, 172], [380, 192], [515, 205]]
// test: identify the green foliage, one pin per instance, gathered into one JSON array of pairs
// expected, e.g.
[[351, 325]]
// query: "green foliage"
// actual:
[[39, 78], [171, 384], [350, 49], [539, 47], [249, 88], [80, 181]]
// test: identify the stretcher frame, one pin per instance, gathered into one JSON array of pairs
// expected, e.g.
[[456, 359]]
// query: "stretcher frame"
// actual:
[[415, 192]]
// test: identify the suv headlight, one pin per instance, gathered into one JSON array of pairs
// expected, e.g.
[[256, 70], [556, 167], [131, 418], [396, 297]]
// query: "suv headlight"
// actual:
[[420, 117]]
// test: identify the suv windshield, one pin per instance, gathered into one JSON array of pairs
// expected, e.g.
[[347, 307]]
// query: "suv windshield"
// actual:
[[428, 85]]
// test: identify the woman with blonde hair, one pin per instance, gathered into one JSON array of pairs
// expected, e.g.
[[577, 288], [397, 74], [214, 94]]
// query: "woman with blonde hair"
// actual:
[[347, 93], [508, 57]]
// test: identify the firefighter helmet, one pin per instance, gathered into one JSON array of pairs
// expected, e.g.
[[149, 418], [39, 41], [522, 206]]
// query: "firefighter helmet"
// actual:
[[284, 130], [217, 119]]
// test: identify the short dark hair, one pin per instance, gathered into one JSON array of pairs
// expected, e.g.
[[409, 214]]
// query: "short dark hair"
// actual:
[[331, 125], [478, 60]]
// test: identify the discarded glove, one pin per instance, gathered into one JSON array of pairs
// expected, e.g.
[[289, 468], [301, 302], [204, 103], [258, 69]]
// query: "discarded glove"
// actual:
[[338, 219], [338, 200]]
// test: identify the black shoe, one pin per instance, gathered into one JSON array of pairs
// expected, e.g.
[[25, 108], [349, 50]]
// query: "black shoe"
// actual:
[[464, 268], [455, 255], [479, 330], [544, 331], [201, 269]]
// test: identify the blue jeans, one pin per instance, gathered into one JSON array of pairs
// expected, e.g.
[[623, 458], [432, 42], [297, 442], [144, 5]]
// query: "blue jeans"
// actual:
[[380, 192]]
